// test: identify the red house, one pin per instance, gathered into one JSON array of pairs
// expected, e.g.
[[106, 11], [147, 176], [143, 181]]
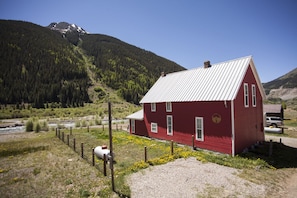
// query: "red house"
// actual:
[[219, 105]]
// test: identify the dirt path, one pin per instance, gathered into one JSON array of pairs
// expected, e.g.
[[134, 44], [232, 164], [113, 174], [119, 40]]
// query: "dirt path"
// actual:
[[291, 183], [292, 142], [291, 188]]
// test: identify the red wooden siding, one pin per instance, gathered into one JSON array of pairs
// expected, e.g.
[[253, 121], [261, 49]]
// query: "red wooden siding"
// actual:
[[248, 120], [217, 136], [140, 128]]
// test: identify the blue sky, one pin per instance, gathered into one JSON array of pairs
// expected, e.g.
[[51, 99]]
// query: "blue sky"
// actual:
[[187, 32]]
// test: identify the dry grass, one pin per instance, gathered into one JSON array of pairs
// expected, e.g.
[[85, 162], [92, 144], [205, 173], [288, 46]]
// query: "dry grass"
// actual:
[[42, 166]]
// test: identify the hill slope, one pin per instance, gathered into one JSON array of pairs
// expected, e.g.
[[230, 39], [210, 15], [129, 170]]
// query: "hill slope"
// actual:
[[40, 65], [284, 87], [129, 70]]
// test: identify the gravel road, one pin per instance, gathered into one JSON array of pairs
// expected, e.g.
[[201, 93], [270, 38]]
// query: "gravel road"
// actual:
[[191, 178]]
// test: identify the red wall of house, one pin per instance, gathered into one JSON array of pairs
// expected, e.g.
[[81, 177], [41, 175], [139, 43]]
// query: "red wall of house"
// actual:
[[217, 136], [140, 128], [248, 120]]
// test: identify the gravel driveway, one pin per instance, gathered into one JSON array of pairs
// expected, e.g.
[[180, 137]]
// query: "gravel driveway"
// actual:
[[191, 178]]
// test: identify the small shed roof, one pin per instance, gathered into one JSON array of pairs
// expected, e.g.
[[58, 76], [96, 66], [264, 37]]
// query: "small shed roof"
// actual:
[[272, 108], [136, 116], [219, 82]]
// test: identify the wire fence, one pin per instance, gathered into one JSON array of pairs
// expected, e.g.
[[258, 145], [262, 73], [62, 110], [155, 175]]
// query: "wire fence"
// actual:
[[83, 150]]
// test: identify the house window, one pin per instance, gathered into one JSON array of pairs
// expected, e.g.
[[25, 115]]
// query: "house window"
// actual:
[[132, 126], [168, 107], [246, 95], [199, 128], [169, 125], [154, 127], [254, 103], [153, 107]]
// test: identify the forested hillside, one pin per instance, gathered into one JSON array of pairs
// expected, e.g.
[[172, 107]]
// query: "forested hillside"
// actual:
[[40, 66], [129, 70]]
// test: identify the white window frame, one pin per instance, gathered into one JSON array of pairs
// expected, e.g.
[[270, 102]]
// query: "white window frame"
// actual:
[[254, 97], [153, 107], [168, 107], [169, 124], [199, 129], [246, 94], [132, 126], [154, 127]]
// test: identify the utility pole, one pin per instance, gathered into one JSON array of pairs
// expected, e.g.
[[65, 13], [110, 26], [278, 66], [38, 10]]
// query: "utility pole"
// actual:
[[110, 146]]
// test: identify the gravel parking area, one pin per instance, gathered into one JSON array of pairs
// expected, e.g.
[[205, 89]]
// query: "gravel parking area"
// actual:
[[191, 178]]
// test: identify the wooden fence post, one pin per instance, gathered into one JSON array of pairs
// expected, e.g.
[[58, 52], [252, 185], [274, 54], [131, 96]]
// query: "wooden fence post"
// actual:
[[63, 136], [68, 139], [193, 144], [270, 147], [93, 157], [171, 145], [82, 150], [74, 144], [145, 154], [59, 133], [104, 164], [56, 132]]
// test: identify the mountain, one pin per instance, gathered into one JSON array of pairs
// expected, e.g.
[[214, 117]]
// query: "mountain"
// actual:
[[60, 64], [72, 32], [284, 87], [64, 27]]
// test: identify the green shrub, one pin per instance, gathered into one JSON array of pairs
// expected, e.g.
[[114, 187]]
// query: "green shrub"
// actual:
[[84, 123], [29, 125], [84, 193], [36, 171], [77, 124], [37, 127], [98, 122], [44, 126]]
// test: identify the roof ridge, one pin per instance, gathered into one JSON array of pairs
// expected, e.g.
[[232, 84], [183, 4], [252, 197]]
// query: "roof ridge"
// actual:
[[232, 60]]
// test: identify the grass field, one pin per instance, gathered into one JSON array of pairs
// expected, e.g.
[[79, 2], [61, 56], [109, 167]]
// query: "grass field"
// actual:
[[42, 165]]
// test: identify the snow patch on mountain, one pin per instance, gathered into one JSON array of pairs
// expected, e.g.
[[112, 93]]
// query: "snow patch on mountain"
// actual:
[[64, 27]]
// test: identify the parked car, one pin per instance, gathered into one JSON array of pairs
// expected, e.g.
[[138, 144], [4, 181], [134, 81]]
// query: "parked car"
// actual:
[[274, 121]]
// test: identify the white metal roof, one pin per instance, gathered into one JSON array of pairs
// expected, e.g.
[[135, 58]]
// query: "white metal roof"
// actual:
[[136, 116], [219, 82]]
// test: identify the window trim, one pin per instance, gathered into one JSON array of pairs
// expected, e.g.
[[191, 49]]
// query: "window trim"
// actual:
[[132, 126], [168, 107], [201, 129], [154, 127], [254, 95], [246, 94], [167, 125], [153, 107]]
